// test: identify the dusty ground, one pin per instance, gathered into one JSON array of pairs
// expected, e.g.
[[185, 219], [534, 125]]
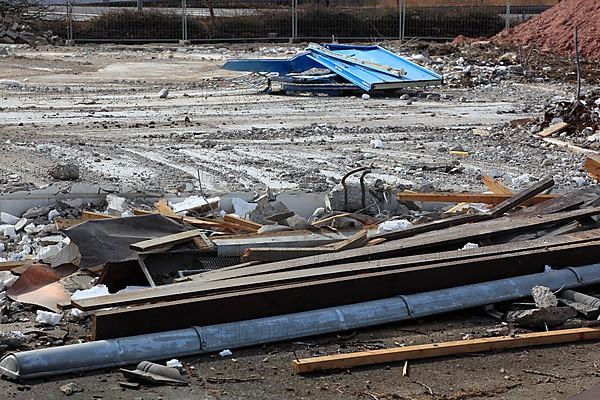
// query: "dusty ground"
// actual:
[[98, 107]]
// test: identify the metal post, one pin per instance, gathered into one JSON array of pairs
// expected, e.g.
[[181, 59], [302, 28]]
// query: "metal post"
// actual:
[[140, 5], [69, 23], [507, 17], [184, 31], [403, 24], [294, 9]]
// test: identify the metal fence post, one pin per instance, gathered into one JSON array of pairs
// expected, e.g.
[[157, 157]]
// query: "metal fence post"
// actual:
[[140, 5], [294, 9], [184, 31], [507, 17], [69, 23], [402, 16]]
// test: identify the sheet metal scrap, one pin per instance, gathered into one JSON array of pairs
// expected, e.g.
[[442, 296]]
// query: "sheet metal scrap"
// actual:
[[347, 67]]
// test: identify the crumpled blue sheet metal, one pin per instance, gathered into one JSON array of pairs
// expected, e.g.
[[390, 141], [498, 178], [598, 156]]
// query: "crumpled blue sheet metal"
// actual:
[[370, 68]]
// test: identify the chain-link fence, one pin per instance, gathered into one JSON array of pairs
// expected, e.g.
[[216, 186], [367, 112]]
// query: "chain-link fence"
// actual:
[[289, 20]]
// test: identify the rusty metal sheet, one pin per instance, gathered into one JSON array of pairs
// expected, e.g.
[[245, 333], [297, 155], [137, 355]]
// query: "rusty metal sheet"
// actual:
[[39, 285]]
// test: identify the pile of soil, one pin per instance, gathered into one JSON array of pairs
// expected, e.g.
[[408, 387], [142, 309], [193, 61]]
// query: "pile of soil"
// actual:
[[552, 30]]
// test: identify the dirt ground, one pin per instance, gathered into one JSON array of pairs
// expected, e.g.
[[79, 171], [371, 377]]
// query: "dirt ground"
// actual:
[[98, 106]]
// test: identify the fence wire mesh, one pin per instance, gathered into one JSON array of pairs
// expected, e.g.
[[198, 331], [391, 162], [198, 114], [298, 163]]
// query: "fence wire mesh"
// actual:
[[284, 20]]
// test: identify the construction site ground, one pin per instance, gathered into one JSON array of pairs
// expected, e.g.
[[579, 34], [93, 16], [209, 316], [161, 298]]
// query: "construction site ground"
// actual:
[[98, 106]]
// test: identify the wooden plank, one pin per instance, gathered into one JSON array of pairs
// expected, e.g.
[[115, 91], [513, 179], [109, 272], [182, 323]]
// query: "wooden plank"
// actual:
[[430, 350], [147, 245], [592, 166], [454, 220], [244, 224], [564, 202], [521, 197], [552, 129], [271, 254], [202, 242], [380, 274], [495, 185], [329, 219], [359, 239], [87, 215], [486, 198], [162, 206], [65, 223], [9, 265], [324, 291], [569, 146], [422, 243]]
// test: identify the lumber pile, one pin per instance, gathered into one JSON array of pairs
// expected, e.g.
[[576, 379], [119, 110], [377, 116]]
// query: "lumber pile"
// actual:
[[261, 274]]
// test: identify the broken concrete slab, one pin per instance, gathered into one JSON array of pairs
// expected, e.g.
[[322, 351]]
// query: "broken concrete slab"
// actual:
[[539, 318]]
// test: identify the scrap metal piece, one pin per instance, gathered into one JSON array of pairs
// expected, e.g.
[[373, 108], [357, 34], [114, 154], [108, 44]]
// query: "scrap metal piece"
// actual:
[[366, 67], [345, 177], [155, 373], [41, 286]]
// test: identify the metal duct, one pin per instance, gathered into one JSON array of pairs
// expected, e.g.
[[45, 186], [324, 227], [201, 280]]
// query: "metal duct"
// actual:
[[198, 340]]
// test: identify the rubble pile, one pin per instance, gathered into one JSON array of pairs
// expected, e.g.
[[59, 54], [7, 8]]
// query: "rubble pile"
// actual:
[[15, 32], [553, 30], [581, 119]]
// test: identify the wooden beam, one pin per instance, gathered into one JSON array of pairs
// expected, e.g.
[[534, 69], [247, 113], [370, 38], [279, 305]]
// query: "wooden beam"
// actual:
[[592, 166], [151, 244], [243, 224], [521, 197], [430, 350], [163, 208], [495, 186], [65, 223], [87, 215], [486, 198], [552, 129]]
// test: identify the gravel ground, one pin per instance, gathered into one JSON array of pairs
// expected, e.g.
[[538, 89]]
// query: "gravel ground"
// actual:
[[98, 107]]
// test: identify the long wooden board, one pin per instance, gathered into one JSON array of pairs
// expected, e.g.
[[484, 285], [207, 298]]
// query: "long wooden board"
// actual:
[[430, 350], [151, 244], [552, 129], [486, 198], [495, 186], [521, 197]]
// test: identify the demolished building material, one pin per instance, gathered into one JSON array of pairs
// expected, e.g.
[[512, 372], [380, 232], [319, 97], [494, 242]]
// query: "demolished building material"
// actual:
[[370, 68], [207, 339]]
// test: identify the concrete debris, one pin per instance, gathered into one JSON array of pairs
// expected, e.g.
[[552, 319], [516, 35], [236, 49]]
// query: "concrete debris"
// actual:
[[225, 353], [164, 93], [71, 388], [116, 205], [64, 172], [48, 317], [12, 340], [8, 218], [470, 246], [242, 208], [394, 226], [539, 318], [543, 297]]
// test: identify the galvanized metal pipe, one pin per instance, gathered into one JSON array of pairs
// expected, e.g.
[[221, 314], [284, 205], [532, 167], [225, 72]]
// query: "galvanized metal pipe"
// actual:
[[207, 339]]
